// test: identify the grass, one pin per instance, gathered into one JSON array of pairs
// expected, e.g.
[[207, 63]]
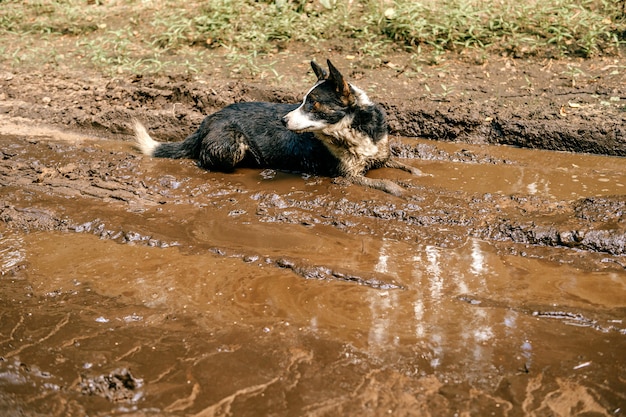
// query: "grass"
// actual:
[[161, 35], [557, 27]]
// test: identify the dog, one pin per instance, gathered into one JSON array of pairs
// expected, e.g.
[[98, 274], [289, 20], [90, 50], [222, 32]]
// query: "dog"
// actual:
[[336, 131]]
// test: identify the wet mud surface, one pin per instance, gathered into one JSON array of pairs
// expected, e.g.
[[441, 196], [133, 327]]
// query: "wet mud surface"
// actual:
[[145, 287], [139, 286]]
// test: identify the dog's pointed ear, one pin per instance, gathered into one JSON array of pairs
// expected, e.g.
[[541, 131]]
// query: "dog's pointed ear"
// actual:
[[319, 71], [343, 89]]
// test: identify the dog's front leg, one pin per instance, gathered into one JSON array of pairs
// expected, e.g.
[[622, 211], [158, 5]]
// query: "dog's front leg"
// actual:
[[392, 163], [379, 184]]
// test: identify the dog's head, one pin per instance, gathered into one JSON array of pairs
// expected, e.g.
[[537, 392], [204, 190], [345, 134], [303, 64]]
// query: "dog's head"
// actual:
[[327, 103]]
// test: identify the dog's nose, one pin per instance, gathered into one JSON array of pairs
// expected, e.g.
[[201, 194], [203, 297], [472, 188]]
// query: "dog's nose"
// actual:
[[284, 120]]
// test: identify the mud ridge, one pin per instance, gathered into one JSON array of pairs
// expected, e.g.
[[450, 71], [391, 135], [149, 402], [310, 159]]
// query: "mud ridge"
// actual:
[[316, 272], [580, 319], [594, 240]]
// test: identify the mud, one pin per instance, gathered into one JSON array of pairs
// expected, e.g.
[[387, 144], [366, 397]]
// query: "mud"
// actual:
[[138, 286], [145, 287]]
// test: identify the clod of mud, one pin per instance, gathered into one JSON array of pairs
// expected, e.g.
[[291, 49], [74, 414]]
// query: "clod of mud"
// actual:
[[611, 241], [609, 209], [600, 227], [118, 386]]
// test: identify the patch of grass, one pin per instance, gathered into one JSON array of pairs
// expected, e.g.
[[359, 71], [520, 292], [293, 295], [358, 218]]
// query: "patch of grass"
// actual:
[[256, 27], [10, 19], [110, 49], [47, 17], [558, 27], [249, 65], [159, 35]]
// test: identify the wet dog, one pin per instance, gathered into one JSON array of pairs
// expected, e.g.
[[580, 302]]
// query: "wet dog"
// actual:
[[336, 131]]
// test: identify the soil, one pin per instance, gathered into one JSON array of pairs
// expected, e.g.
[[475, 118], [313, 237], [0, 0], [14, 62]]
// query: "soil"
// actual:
[[137, 286]]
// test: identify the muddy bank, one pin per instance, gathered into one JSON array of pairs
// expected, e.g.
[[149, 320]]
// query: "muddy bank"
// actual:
[[575, 106]]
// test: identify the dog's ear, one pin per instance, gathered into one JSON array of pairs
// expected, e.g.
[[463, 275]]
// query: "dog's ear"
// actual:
[[343, 89], [319, 71]]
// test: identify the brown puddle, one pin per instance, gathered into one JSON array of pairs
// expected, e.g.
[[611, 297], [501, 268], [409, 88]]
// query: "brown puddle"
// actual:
[[133, 286]]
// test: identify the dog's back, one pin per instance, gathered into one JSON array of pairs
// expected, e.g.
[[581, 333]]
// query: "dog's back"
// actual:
[[246, 134]]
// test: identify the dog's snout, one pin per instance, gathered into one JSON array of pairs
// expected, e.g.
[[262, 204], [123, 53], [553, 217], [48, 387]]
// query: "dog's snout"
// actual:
[[284, 120]]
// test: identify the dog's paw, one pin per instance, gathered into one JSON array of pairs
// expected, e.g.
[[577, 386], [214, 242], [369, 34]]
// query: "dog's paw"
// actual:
[[419, 173], [385, 185], [388, 187], [393, 189]]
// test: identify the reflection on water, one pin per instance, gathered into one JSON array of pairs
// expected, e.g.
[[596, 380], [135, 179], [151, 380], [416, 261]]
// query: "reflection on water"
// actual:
[[11, 252], [553, 175], [465, 314], [383, 258], [383, 322]]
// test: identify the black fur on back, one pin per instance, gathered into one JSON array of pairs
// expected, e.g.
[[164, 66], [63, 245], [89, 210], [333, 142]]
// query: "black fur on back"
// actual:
[[251, 134]]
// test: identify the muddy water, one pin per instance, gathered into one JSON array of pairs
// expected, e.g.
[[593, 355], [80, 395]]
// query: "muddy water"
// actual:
[[133, 286]]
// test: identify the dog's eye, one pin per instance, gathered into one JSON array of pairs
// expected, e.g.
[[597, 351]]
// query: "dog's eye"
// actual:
[[314, 106]]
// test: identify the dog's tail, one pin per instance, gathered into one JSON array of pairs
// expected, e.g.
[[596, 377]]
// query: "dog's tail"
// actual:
[[187, 149], [144, 142]]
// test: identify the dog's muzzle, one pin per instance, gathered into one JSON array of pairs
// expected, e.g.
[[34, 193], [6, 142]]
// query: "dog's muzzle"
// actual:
[[286, 121]]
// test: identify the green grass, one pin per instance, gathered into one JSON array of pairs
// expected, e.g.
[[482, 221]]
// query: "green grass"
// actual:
[[137, 36], [557, 27], [246, 25]]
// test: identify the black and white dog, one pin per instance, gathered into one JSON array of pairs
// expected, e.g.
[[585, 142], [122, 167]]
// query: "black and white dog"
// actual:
[[335, 131]]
